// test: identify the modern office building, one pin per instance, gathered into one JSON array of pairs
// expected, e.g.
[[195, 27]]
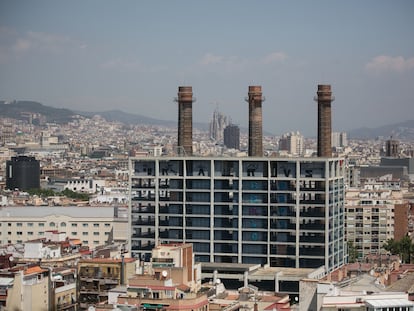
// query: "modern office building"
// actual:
[[232, 136], [23, 173], [281, 212]]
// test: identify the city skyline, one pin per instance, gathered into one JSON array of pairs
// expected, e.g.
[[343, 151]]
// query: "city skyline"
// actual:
[[98, 56]]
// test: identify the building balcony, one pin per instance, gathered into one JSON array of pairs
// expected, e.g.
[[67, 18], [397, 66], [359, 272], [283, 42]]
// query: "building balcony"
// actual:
[[146, 247], [311, 252], [144, 235], [320, 227], [312, 239], [314, 201], [143, 222], [144, 198], [313, 213], [143, 210]]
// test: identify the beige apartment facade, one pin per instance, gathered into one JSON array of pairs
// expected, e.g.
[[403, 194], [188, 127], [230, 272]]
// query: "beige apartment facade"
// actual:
[[93, 226], [370, 216]]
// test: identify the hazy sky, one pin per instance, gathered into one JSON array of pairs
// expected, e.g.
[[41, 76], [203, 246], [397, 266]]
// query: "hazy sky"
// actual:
[[101, 55]]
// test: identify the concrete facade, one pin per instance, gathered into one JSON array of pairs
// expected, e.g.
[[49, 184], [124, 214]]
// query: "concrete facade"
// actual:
[[281, 212]]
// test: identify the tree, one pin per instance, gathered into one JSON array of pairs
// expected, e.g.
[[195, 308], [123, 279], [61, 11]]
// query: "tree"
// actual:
[[403, 247], [406, 248], [391, 246], [352, 252], [75, 195]]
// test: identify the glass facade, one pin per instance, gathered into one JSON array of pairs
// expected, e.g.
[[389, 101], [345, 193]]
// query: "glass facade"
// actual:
[[281, 212]]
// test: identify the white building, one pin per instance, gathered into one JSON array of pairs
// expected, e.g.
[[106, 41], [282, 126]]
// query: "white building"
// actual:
[[339, 139], [94, 226], [292, 143]]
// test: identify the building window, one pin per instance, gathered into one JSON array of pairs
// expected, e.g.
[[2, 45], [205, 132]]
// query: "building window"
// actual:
[[52, 224], [96, 225], [74, 233], [96, 242], [41, 224], [19, 241], [19, 224], [9, 224], [19, 233], [63, 224], [107, 225], [85, 242], [41, 233], [30, 233], [30, 224], [74, 225], [84, 233], [85, 224], [96, 233], [106, 233], [9, 233]]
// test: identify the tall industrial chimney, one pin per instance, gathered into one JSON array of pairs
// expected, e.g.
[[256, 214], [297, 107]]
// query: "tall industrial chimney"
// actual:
[[324, 100], [255, 100], [185, 120]]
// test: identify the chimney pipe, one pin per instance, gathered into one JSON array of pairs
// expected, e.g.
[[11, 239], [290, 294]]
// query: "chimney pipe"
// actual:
[[324, 98], [255, 100], [185, 120]]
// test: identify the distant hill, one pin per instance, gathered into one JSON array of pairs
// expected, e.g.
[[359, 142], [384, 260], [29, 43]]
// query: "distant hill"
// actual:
[[127, 118], [17, 110], [402, 131]]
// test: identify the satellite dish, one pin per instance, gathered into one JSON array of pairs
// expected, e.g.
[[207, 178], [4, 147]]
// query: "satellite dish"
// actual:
[[164, 273]]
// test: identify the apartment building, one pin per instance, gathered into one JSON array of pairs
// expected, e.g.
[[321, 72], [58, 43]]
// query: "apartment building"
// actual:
[[64, 287], [293, 143], [26, 288], [172, 282], [94, 226], [370, 213], [281, 212], [98, 275]]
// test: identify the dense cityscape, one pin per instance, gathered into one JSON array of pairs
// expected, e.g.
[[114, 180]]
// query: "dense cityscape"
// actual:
[[206, 155], [102, 215]]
